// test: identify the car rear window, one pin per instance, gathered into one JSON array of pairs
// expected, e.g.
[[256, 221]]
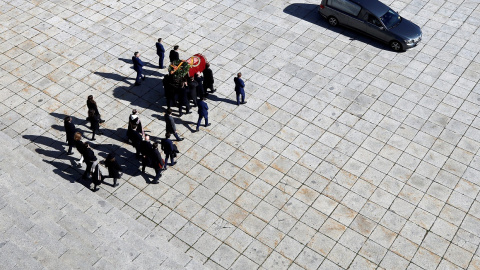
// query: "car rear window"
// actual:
[[345, 6]]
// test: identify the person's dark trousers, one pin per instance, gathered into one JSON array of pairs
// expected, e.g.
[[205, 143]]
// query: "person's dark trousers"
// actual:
[[87, 170], [170, 102], [158, 174], [70, 149], [241, 93], [95, 131], [138, 78], [160, 60], [200, 117], [187, 108], [167, 156], [176, 136], [144, 164], [208, 86]]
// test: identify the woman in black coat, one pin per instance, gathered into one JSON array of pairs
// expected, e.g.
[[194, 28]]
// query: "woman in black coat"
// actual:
[[92, 105], [70, 130], [113, 167], [80, 146], [94, 123]]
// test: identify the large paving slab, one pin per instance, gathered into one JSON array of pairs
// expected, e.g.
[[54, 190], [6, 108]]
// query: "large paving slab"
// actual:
[[347, 155]]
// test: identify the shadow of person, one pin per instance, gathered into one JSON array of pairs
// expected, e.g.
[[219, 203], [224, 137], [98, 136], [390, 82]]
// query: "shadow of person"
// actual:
[[309, 13], [216, 98], [129, 61], [115, 77]]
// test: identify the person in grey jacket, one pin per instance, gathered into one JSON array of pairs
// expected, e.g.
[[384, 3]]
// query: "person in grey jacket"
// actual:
[[170, 125]]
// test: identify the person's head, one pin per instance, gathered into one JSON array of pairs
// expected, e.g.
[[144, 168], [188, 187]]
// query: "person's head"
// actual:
[[159, 40], [67, 119], [90, 98], [169, 111], [176, 47], [147, 138], [155, 145], [207, 65], [91, 112], [77, 136], [136, 54], [167, 135], [134, 111], [239, 75]]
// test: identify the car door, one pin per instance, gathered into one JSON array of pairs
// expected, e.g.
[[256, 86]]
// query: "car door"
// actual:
[[345, 11], [372, 26]]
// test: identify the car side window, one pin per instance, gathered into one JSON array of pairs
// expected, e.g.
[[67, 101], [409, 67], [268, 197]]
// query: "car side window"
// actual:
[[374, 20], [345, 6]]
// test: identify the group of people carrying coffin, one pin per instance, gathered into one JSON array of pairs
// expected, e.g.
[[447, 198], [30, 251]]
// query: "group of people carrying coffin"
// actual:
[[181, 91]]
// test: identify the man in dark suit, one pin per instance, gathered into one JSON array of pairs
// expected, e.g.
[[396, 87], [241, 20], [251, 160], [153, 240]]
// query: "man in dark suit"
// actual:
[[170, 125], [199, 79], [147, 152], [183, 99], [70, 130], [160, 53], [192, 90], [208, 79], [89, 157], [138, 67], [169, 91], [174, 54], [239, 88], [136, 139], [168, 149], [202, 113]]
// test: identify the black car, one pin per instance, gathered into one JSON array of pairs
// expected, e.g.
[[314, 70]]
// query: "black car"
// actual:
[[374, 19]]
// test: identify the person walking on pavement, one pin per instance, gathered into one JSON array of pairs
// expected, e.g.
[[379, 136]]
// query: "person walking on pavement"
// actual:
[[202, 113], [94, 123], [97, 176], [169, 150], [160, 53], [114, 169], [174, 55], [70, 130], [147, 152], [239, 88], [133, 120], [138, 67], [89, 159], [92, 105], [158, 163], [208, 79], [136, 138], [80, 147], [170, 125]]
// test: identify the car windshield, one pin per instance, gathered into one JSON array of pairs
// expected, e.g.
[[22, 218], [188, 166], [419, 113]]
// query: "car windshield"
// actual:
[[390, 19]]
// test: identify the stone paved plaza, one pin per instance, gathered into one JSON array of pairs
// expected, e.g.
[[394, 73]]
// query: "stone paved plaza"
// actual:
[[347, 155]]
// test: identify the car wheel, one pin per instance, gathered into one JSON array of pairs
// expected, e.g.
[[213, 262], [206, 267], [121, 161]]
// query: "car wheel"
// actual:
[[396, 46], [332, 21]]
